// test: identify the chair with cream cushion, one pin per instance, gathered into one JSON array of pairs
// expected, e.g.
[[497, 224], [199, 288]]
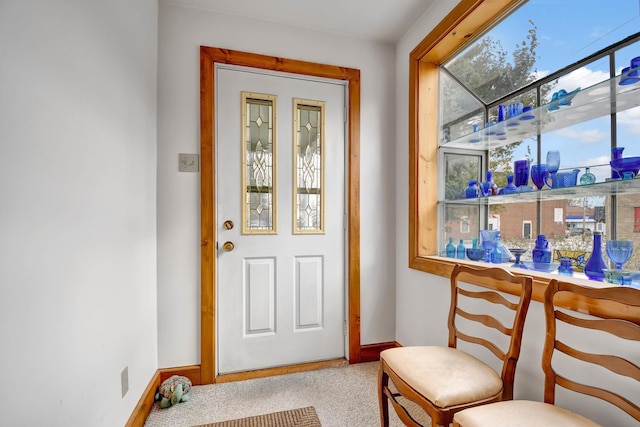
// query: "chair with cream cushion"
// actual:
[[444, 380], [617, 319]]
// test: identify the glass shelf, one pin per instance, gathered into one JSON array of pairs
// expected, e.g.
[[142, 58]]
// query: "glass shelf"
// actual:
[[599, 189], [599, 100]]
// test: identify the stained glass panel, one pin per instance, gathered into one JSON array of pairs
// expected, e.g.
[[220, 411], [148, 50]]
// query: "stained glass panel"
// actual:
[[259, 164], [308, 166]]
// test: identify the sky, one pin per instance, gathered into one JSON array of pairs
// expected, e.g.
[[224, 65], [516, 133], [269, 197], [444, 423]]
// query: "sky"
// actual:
[[569, 30]]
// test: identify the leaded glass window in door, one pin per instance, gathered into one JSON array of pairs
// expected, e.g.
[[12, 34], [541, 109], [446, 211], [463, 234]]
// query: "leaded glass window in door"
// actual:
[[259, 213], [308, 164]]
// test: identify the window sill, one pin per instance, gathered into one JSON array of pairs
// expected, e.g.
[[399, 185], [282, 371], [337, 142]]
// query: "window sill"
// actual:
[[442, 266]]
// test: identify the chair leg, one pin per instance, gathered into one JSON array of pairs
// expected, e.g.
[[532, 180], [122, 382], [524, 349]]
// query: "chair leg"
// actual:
[[383, 383]]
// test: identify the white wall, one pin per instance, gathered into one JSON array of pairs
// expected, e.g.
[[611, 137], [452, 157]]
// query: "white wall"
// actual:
[[181, 32], [422, 299], [77, 209]]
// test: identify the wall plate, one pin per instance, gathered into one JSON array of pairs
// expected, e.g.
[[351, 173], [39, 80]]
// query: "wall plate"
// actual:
[[188, 162], [124, 380]]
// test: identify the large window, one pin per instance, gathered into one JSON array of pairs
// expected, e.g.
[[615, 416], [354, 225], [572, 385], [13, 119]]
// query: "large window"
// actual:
[[530, 55]]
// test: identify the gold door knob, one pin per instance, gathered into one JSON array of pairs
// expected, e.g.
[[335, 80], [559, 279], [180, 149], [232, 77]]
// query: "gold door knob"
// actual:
[[228, 224], [228, 246]]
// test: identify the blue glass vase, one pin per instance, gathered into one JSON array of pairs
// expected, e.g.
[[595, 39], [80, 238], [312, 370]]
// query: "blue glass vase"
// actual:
[[595, 266], [541, 253]]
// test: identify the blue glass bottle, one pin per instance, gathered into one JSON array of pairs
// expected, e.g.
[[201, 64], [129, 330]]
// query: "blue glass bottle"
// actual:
[[450, 249], [588, 177], [510, 188], [460, 250], [489, 188], [595, 266]]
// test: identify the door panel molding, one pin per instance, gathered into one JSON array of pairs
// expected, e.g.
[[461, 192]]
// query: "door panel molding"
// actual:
[[209, 56]]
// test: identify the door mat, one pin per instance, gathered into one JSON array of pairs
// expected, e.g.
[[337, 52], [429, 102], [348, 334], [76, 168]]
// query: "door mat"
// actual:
[[301, 417]]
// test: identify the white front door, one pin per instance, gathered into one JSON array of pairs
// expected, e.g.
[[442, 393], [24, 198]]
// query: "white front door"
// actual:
[[280, 193]]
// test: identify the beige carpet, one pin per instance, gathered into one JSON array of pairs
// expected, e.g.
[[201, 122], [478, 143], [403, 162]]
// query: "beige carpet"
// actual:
[[303, 417], [344, 396]]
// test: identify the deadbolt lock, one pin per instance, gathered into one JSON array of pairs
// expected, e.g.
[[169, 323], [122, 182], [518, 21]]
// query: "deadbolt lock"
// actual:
[[228, 224]]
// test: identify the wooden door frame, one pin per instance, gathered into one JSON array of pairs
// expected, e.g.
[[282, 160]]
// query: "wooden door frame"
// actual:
[[209, 56]]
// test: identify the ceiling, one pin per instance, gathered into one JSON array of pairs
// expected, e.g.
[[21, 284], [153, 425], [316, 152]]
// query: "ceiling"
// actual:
[[380, 20]]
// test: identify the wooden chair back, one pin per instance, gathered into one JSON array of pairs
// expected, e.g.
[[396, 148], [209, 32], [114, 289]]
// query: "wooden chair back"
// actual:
[[494, 283], [617, 311]]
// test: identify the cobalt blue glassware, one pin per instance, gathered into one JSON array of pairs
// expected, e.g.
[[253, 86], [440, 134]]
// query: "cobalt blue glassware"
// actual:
[[475, 254], [541, 253], [527, 113], [539, 174], [564, 179], [521, 170], [616, 153], [553, 162], [472, 190], [566, 268], [595, 266], [619, 251], [502, 112], [460, 250], [517, 252], [510, 188], [488, 242], [627, 77], [545, 267], [625, 164]]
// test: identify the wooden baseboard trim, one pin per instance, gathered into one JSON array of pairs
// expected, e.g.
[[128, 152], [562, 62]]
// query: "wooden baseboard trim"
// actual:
[[142, 409], [192, 372], [270, 372], [371, 352]]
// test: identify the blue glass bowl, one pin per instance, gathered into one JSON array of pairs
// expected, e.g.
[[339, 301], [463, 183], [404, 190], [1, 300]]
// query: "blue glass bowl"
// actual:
[[475, 254], [626, 164], [545, 267]]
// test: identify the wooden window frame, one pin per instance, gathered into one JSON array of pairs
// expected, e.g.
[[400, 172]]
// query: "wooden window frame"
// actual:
[[468, 19]]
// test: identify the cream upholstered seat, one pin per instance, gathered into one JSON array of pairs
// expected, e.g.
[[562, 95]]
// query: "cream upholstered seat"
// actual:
[[446, 376], [617, 312], [521, 413], [444, 380]]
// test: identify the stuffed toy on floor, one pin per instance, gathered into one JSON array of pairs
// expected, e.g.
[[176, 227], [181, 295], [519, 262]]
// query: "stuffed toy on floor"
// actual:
[[174, 389]]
